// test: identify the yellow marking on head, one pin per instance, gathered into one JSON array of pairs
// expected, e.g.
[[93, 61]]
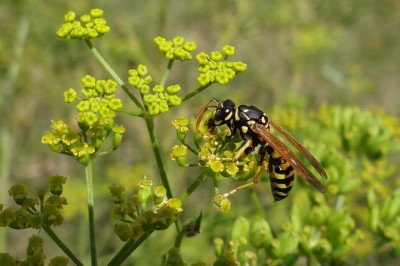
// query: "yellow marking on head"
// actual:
[[245, 129], [228, 116]]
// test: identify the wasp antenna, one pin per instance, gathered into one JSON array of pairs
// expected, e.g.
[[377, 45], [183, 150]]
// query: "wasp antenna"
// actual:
[[202, 109]]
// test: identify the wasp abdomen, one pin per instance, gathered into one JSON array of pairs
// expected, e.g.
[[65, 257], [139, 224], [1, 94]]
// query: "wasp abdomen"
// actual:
[[281, 177]]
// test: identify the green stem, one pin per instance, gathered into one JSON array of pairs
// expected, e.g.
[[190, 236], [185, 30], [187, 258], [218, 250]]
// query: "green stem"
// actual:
[[195, 92], [190, 148], [108, 68], [167, 72], [61, 244], [157, 154], [130, 112], [216, 189], [92, 233], [178, 240], [199, 180], [127, 249]]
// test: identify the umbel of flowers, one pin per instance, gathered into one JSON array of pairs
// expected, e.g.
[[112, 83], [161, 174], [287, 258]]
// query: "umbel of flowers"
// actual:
[[88, 26], [157, 100], [96, 108]]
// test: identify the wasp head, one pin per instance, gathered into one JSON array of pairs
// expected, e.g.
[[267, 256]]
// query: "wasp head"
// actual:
[[224, 111]]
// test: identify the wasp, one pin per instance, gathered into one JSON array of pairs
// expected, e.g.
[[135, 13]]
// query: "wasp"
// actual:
[[254, 127]]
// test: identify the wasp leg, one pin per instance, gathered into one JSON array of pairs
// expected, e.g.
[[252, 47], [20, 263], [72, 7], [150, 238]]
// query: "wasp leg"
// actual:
[[255, 180], [242, 150], [237, 154]]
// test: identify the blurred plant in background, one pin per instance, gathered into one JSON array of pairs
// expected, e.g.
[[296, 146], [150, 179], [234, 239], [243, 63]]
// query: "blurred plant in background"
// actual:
[[325, 69], [359, 214]]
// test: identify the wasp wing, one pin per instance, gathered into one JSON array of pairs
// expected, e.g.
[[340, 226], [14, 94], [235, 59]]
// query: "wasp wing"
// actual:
[[288, 155], [301, 148]]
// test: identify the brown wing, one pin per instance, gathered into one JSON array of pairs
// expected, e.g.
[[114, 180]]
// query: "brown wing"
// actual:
[[301, 148], [288, 155]]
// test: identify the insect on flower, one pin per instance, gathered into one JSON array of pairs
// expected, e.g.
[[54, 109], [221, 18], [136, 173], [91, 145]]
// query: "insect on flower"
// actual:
[[254, 128]]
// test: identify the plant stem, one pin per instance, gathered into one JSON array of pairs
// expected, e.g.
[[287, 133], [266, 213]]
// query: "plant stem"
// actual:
[[167, 72], [178, 240], [157, 154], [216, 189], [108, 68], [130, 112], [61, 244], [200, 179], [195, 92], [127, 249], [92, 233]]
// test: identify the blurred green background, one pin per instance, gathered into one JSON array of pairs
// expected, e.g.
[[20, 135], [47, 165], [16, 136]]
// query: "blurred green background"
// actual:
[[299, 53]]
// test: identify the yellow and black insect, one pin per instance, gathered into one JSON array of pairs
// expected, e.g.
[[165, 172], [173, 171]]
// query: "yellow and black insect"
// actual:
[[254, 128]]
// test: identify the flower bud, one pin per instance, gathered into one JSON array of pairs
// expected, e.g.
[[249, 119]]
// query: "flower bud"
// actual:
[[84, 159], [117, 140], [144, 192], [225, 205], [159, 194], [218, 246]]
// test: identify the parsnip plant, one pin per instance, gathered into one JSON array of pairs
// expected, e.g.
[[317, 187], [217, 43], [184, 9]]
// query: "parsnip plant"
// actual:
[[354, 146]]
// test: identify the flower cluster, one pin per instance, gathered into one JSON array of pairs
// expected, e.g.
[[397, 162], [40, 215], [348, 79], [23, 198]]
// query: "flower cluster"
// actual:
[[159, 99], [215, 152], [95, 118], [143, 212], [35, 255], [35, 212], [181, 126], [176, 48], [178, 153], [215, 68], [98, 103], [89, 26]]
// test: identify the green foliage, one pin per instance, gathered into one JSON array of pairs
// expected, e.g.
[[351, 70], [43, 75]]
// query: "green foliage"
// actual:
[[320, 228], [357, 219], [97, 109]]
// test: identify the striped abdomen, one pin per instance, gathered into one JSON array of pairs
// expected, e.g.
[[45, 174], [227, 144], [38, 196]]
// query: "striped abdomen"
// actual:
[[281, 175]]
